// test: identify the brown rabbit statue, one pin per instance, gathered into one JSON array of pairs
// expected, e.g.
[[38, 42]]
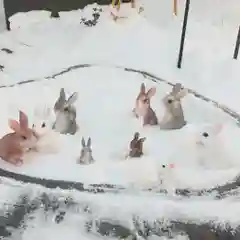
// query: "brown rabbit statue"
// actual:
[[143, 106], [14, 145], [136, 146]]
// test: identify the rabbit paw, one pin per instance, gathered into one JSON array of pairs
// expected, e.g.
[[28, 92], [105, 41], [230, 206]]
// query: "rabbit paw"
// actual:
[[135, 113], [18, 162]]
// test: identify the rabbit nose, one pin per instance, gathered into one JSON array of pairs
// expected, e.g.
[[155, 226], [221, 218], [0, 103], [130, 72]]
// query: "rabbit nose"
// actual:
[[171, 165], [199, 143]]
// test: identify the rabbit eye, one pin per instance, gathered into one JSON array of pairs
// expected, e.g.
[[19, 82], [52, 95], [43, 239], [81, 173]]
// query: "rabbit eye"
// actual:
[[170, 101], [33, 125], [145, 100], [163, 166], [205, 134], [24, 137], [65, 109], [43, 125]]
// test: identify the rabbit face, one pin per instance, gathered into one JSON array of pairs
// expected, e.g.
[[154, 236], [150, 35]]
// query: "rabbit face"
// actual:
[[64, 119], [165, 169], [173, 100], [41, 127], [86, 154], [42, 124], [28, 139], [23, 134], [207, 137]]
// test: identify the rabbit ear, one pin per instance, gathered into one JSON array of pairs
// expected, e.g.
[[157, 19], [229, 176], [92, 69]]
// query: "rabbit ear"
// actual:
[[23, 120], [142, 88], [14, 125], [89, 142], [182, 93], [61, 100], [73, 98], [151, 92], [217, 128], [142, 139], [83, 142], [46, 112], [37, 112], [176, 88]]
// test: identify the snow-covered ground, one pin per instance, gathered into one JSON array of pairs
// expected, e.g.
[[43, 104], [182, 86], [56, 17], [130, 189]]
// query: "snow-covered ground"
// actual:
[[43, 47]]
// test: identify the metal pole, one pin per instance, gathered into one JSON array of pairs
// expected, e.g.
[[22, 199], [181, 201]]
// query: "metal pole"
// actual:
[[180, 55], [236, 50], [6, 15]]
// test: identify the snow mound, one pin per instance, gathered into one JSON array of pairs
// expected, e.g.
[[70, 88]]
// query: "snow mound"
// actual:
[[104, 113]]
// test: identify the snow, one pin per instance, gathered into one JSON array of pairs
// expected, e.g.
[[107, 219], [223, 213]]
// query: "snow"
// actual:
[[106, 117], [147, 41], [202, 51]]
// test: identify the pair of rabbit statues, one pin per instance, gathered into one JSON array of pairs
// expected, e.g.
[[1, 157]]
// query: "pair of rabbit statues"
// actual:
[[173, 116], [23, 139]]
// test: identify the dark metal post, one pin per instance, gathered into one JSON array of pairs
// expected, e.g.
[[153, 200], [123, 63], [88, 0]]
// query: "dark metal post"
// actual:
[[6, 15], [180, 55], [236, 50]]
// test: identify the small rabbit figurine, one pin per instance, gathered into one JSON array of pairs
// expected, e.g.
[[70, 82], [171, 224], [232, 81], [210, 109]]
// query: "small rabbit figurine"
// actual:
[[173, 117], [14, 145], [136, 146], [143, 108], [86, 153], [65, 114]]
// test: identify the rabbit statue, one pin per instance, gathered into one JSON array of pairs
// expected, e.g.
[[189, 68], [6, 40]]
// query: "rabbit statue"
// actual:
[[136, 146], [14, 145], [143, 106], [65, 114], [48, 139], [173, 116], [86, 152]]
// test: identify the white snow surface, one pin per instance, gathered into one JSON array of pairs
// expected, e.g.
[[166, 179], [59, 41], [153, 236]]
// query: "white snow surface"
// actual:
[[147, 41]]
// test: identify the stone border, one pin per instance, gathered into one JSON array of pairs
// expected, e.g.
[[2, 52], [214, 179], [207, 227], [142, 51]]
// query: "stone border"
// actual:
[[219, 191]]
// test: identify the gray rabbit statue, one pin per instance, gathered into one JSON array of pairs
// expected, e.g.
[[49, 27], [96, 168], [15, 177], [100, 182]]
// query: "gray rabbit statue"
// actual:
[[173, 116], [65, 114], [86, 152]]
